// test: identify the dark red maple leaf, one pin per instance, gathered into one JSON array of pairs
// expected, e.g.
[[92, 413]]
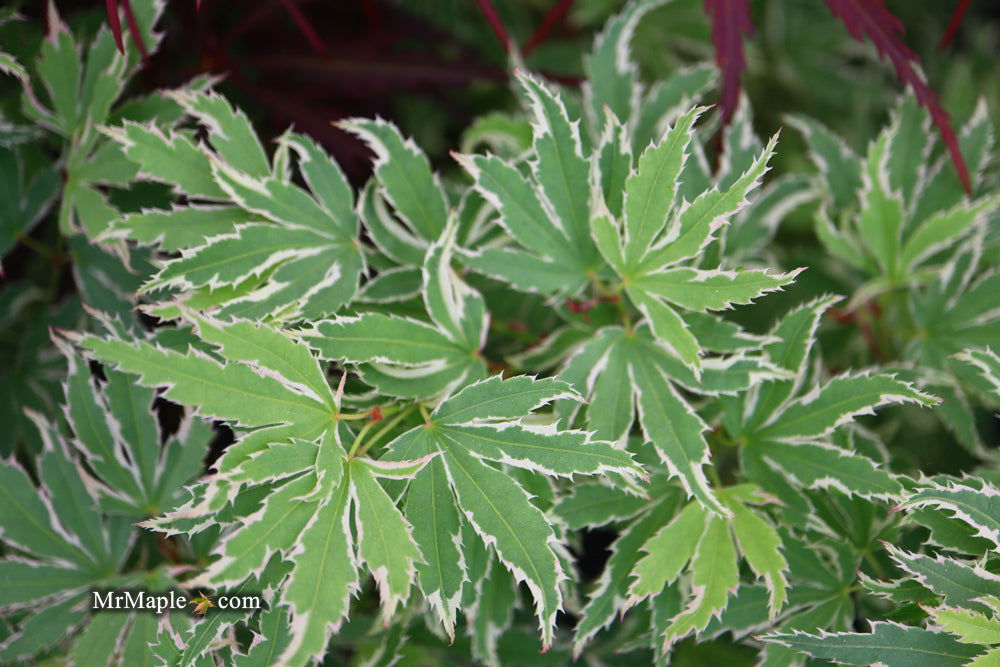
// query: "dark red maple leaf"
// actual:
[[114, 22], [730, 23], [870, 18]]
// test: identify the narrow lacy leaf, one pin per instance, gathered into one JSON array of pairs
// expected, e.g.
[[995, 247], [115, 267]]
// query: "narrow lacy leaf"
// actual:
[[405, 175], [968, 626], [676, 432], [979, 508], [324, 552], [888, 644], [715, 576], [838, 402], [667, 553]]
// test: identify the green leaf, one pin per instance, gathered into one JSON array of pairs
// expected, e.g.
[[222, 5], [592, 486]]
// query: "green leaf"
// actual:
[[272, 639], [676, 431], [612, 78], [699, 290], [987, 363], [229, 130], [761, 546], [958, 583], [405, 175], [492, 613], [969, 626], [650, 189], [430, 508], [31, 524], [881, 220], [612, 161], [715, 576], [97, 643], [669, 328], [593, 505], [177, 228], [667, 552], [497, 398], [813, 465], [378, 337], [979, 508], [560, 168], [607, 599], [385, 543], [269, 349], [792, 340], [230, 391], [522, 213], [839, 166], [940, 230], [324, 552], [453, 306], [695, 226], [169, 157], [519, 532], [326, 181], [276, 527], [889, 644], [838, 402]]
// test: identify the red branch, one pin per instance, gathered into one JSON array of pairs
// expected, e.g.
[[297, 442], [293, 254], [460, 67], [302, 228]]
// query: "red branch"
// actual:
[[115, 23], [302, 23], [490, 12], [956, 20], [870, 18], [549, 21], [133, 29], [730, 23]]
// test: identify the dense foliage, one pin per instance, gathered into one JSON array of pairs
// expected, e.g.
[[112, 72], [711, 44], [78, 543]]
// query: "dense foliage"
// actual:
[[411, 414]]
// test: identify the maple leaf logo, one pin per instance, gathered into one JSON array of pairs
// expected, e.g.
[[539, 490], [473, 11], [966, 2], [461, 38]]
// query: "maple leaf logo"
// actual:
[[201, 603]]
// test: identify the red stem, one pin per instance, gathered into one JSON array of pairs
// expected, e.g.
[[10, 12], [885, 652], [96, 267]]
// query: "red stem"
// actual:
[[305, 28], [549, 21], [115, 23], [956, 21], [490, 12], [133, 29]]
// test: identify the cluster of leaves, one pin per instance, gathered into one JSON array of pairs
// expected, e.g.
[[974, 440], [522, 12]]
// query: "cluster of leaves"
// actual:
[[448, 381]]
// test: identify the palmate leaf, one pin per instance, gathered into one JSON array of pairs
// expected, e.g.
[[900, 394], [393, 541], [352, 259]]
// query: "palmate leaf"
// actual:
[[609, 597], [469, 429], [119, 437], [889, 644], [405, 177], [987, 363], [407, 357], [649, 281], [290, 253], [325, 551], [899, 228], [710, 546], [558, 208], [871, 19], [67, 546], [618, 370]]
